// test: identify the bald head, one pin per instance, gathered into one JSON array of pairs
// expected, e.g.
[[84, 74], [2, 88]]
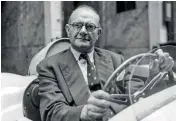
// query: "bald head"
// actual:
[[82, 9], [83, 29]]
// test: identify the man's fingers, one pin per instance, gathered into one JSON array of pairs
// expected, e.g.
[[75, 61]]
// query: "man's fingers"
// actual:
[[95, 115], [165, 61], [168, 67], [154, 66], [100, 94], [99, 102], [160, 55], [156, 63], [91, 112], [96, 109], [167, 64]]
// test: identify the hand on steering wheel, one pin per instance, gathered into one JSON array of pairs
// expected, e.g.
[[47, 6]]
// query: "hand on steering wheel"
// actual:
[[163, 63], [158, 67]]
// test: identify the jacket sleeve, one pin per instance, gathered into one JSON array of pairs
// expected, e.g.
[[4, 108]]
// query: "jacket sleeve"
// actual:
[[53, 104]]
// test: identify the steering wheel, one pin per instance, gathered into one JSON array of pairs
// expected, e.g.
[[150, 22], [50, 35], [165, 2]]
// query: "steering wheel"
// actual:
[[126, 98]]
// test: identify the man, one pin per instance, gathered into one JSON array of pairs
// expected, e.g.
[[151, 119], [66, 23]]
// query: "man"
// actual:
[[64, 88]]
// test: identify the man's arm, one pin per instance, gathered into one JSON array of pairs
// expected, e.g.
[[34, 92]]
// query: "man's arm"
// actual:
[[53, 104], [163, 63]]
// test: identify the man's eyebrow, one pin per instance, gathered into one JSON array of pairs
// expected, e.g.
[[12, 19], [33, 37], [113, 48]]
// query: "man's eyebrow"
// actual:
[[77, 21]]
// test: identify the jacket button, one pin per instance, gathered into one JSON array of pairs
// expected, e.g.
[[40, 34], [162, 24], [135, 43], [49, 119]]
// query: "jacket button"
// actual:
[[112, 113], [112, 89], [67, 70]]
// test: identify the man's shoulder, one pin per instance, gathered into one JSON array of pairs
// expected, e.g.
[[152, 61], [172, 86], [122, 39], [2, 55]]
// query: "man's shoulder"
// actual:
[[54, 59]]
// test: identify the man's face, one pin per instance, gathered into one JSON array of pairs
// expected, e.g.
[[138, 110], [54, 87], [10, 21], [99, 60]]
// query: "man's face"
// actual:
[[79, 30]]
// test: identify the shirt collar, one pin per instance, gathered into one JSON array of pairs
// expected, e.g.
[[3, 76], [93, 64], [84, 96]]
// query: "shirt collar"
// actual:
[[77, 54]]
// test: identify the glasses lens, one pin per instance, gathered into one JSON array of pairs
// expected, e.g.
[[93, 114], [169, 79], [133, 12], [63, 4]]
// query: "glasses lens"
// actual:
[[77, 26], [90, 27]]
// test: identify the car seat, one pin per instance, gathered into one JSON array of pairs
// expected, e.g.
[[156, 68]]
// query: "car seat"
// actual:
[[31, 99]]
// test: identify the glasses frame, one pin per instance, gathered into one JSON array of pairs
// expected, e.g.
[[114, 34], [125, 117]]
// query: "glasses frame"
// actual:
[[83, 24]]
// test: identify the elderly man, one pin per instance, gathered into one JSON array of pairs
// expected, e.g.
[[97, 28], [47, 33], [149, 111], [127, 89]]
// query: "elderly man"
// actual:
[[71, 81]]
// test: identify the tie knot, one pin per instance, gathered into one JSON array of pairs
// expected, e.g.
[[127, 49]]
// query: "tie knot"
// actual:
[[83, 56]]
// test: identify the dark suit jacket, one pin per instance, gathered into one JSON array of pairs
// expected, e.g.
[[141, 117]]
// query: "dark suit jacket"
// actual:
[[62, 88]]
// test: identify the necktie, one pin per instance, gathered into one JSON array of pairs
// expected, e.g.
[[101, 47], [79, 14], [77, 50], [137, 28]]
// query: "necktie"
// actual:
[[93, 81]]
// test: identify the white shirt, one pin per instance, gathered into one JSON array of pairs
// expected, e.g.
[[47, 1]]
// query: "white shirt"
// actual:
[[83, 63]]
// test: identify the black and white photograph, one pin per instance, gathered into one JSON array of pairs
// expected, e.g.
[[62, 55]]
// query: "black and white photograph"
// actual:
[[88, 61]]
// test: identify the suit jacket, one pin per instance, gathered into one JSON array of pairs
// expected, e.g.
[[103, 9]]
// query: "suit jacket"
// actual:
[[62, 88]]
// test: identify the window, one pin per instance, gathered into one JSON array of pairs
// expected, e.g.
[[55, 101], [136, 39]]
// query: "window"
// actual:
[[122, 6]]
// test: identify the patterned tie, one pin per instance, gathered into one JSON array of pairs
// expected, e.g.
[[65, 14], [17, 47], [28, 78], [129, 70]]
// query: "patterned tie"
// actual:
[[93, 81]]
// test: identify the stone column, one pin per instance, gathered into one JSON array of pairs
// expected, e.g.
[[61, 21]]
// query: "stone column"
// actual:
[[53, 20], [174, 15], [157, 31]]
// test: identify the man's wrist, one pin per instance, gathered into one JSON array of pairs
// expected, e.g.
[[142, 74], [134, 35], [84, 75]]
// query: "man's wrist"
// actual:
[[152, 73]]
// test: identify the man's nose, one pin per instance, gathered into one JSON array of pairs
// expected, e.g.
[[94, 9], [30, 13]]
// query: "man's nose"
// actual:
[[83, 31]]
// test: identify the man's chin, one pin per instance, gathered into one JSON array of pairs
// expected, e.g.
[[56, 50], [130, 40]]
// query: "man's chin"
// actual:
[[84, 44], [83, 48]]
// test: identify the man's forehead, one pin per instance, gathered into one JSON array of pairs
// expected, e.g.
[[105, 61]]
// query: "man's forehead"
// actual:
[[84, 12]]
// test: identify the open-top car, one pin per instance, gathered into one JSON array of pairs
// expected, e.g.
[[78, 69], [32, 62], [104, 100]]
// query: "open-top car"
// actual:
[[156, 100]]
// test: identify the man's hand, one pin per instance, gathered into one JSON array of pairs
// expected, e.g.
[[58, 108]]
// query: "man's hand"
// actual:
[[164, 63], [96, 106]]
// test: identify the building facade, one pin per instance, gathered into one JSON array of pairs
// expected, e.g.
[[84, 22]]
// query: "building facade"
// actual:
[[129, 27]]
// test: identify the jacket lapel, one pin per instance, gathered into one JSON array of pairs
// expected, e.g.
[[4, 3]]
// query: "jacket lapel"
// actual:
[[74, 79], [104, 65]]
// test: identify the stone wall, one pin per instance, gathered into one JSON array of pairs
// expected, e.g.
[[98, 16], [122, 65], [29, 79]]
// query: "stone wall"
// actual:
[[125, 32], [22, 26], [174, 15], [23, 31]]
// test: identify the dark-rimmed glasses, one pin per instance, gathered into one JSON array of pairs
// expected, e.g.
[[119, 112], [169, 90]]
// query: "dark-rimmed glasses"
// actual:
[[90, 27]]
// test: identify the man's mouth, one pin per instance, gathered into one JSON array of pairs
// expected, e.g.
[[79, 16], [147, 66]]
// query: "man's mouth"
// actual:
[[85, 39]]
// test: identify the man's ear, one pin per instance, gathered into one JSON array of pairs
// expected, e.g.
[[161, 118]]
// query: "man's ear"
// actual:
[[67, 28], [99, 31]]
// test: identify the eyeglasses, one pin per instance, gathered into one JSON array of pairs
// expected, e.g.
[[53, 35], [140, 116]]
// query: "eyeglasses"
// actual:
[[90, 27]]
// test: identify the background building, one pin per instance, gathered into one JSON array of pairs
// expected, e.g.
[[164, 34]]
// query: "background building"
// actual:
[[129, 27]]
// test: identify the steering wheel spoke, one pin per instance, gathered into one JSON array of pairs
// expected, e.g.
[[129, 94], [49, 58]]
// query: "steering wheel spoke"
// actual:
[[126, 98]]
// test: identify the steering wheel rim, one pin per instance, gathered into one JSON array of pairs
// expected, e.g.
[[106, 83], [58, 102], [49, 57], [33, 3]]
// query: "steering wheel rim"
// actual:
[[124, 65], [137, 58]]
